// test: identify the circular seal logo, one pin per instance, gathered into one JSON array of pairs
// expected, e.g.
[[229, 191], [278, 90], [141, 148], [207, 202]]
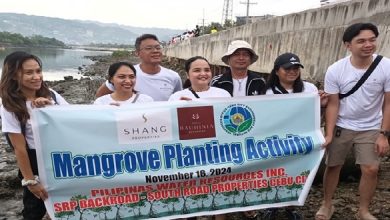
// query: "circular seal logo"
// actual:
[[237, 119]]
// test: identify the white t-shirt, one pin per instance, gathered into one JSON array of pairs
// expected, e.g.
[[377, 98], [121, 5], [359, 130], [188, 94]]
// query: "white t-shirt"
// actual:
[[363, 109], [211, 92], [107, 100], [307, 88], [10, 122], [159, 86], [239, 87]]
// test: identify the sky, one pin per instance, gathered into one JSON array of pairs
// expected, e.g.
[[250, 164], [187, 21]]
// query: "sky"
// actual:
[[174, 14]]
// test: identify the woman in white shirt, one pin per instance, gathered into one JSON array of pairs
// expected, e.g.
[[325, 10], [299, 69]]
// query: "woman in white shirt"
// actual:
[[22, 88], [199, 76], [285, 77], [122, 75], [198, 87]]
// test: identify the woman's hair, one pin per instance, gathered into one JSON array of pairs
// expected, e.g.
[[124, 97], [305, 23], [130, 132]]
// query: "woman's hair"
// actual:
[[10, 91], [273, 82], [187, 64], [187, 67], [115, 66]]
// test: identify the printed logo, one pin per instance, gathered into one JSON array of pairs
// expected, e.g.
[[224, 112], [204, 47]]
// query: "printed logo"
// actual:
[[237, 119], [144, 126], [196, 122]]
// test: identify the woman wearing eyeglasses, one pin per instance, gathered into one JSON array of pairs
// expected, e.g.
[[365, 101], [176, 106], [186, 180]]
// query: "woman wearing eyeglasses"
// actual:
[[285, 78]]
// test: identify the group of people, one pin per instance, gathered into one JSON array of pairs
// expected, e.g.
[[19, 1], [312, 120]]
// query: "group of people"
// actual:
[[185, 35], [360, 120]]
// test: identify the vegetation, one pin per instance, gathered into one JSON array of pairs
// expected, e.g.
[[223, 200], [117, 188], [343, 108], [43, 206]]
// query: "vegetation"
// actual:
[[228, 24], [7, 38], [112, 45], [121, 53]]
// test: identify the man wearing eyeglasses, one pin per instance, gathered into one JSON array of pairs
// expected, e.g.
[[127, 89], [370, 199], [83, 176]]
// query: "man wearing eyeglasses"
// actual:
[[152, 79]]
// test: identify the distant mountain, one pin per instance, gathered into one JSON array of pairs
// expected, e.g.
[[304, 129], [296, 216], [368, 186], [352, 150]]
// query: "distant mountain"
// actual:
[[77, 31]]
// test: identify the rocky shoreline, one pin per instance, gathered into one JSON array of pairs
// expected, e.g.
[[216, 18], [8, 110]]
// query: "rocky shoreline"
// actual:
[[82, 92]]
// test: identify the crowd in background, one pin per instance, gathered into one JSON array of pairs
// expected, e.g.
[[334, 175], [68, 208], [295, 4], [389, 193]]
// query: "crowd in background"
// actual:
[[185, 35]]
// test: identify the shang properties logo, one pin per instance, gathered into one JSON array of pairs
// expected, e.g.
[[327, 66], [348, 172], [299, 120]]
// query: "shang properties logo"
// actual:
[[237, 119], [144, 126], [196, 122]]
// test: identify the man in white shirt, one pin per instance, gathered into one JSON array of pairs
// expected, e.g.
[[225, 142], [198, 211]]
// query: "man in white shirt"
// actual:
[[152, 79], [356, 121]]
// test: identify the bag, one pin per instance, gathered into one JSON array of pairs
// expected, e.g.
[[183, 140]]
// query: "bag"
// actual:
[[54, 97], [365, 76], [135, 98], [30, 152], [193, 92]]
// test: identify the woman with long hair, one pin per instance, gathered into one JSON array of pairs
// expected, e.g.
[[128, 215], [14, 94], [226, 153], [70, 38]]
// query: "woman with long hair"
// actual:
[[197, 86], [285, 78], [122, 75], [21, 89]]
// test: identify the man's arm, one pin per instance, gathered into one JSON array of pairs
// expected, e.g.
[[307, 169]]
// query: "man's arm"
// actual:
[[179, 85], [331, 114], [382, 142], [102, 90]]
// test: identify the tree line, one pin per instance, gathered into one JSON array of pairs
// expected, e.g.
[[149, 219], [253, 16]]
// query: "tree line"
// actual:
[[14, 39], [226, 25]]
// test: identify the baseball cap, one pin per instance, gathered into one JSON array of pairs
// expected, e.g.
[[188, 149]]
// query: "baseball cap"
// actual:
[[287, 60], [239, 44]]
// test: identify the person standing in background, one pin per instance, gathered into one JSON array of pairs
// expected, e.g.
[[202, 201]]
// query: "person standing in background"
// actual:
[[213, 30], [197, 31], [153, 79]]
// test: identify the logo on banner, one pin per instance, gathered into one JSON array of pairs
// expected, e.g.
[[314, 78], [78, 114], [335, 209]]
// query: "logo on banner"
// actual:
[[196, 122], [144, 126], [237, 119]]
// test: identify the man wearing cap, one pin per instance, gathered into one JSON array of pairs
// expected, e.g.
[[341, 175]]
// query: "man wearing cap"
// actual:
[[238, 80]]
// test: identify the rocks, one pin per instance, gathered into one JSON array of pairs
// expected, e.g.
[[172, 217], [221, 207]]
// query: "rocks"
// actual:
[[102, 63], [68, 78]]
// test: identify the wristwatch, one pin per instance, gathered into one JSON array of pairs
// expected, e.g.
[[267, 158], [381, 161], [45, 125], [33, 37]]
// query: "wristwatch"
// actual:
[[385, 133], [33, 182]]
